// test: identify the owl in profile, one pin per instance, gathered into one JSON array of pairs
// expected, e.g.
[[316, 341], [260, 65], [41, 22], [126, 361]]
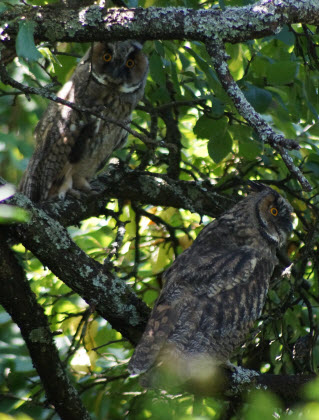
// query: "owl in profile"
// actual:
[[71, 146], [214, 291]]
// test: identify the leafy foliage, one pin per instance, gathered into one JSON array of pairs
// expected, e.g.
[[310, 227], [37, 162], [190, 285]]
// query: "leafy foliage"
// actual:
[[279, 77], [25, 45]]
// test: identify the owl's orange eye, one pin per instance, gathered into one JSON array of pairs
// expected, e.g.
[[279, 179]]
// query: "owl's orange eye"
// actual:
[[130, 63], [274, 211], [107, 57]]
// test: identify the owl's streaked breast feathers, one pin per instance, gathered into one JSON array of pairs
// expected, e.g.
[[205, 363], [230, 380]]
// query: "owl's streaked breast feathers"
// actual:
[[216, 289], [72, 146]]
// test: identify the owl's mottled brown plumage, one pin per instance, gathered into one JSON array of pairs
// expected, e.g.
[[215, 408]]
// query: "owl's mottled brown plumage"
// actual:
[[215, 290], [71, 145]]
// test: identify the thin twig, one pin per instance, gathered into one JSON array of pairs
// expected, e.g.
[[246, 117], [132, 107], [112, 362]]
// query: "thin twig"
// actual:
[[109, 343]]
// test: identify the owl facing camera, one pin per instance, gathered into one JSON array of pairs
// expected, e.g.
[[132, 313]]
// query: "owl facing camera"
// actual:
[[71, 146]]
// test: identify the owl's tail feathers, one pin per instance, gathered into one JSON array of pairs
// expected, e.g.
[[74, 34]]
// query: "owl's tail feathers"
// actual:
[[145, 354], [159, 375], [29, 187], [159, 327], [176, 370], [33, 182]]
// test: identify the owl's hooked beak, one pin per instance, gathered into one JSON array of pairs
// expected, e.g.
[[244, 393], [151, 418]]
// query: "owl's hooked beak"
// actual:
[[116, 73]]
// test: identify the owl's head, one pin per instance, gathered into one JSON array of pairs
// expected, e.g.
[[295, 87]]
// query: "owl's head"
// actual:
[[273, 214], [121, 64]]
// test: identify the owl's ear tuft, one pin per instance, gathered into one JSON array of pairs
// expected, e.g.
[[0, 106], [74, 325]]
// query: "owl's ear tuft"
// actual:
[[257, 186], [139, 43]]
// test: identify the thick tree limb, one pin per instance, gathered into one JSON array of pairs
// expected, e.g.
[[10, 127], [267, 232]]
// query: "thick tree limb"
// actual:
[[143, 187], [20, 302], [111, 297], [50, 242], [146, 188], [231, 25]]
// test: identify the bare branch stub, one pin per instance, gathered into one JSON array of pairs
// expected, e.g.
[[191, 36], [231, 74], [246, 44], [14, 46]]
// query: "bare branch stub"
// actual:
[[219, 56]]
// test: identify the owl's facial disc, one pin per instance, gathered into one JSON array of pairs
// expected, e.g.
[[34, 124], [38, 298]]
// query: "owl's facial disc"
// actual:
[[274, 216], [121, 65]]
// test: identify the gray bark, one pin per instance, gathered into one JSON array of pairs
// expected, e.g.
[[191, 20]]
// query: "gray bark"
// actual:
[[231, 25]]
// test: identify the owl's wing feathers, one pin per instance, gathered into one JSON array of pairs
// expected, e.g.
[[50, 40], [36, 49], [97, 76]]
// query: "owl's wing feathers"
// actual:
[[217, 271], [56, 142], [185, 301], [58, 134]]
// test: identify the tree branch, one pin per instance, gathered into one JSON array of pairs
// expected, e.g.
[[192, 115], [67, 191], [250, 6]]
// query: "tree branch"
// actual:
[[143, 187], [19, 301], [188, 23], [110, 296], [231, 25], [229, 383], [218, 54], [172, 136], [50, 242], [120, 182]]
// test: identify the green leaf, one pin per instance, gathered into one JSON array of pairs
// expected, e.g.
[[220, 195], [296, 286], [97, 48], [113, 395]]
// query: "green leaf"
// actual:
[[312, 163], [3, 8], [249, 149], [204, 127], [132, 3], [220, 142], [25, 45], [159, 48], [219, 147], [46, 52], [286, 36], [43, 2], [202, 64], [262, 406], [311, 390], [9, 214], [281, 73], [260, 99], [218, 107], [222, 4], [235, 64], [157, 70]]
